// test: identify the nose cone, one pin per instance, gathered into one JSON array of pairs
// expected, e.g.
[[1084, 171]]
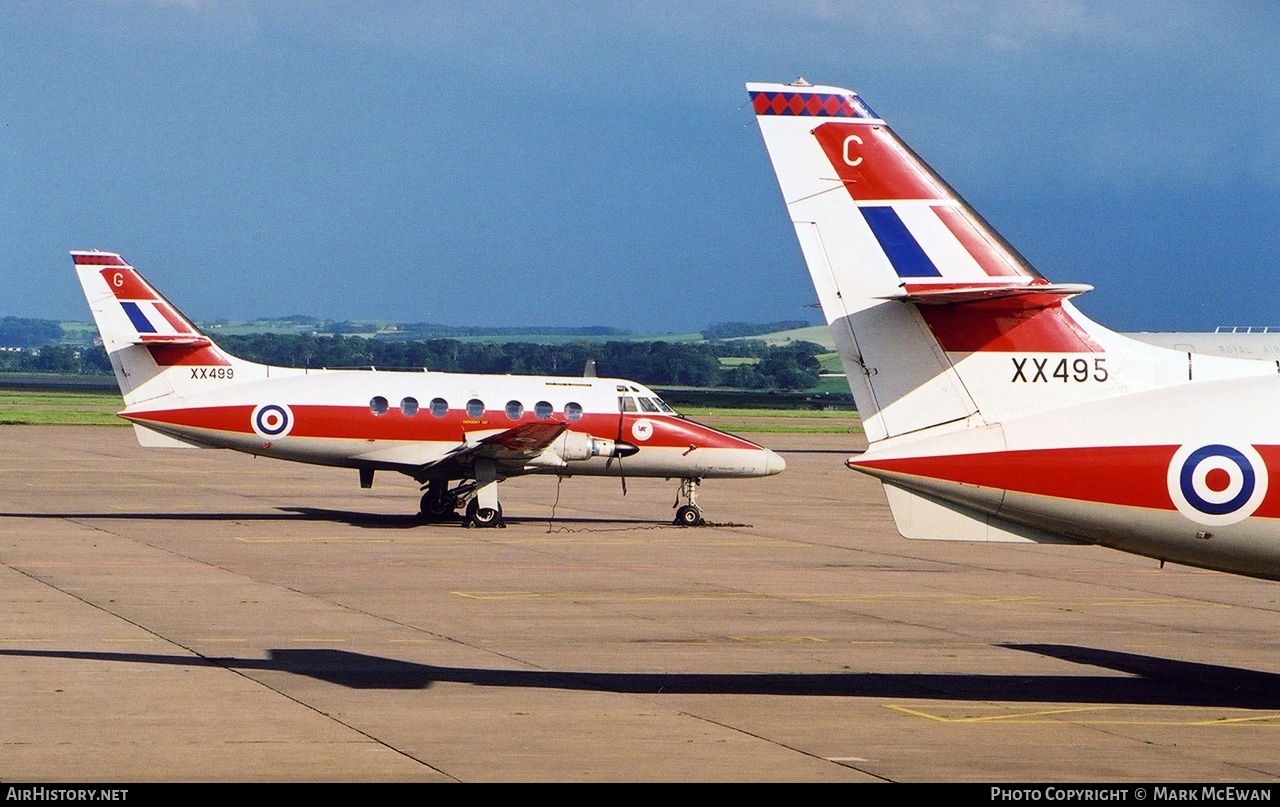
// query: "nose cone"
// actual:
[[773, 463]]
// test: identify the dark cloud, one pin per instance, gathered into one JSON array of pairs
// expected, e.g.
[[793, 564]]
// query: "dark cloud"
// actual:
[[595, 164]]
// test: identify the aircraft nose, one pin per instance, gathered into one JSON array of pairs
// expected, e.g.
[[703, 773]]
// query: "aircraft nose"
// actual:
[[774, 463]]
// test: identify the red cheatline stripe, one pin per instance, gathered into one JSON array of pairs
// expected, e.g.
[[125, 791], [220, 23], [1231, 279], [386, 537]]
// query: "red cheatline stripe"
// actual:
[[358, 422], [1134, 476]]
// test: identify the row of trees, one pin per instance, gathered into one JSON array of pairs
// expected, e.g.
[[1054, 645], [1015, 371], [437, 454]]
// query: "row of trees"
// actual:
[[694, 364], [55, 359], [736, 330], [24, 332]]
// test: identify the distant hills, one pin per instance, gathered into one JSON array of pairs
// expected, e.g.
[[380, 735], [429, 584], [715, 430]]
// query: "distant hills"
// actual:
[[27, 333]]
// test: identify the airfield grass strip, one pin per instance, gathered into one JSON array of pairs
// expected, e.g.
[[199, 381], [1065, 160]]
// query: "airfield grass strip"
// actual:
[[823, 414], [55, 408], [786, 428]]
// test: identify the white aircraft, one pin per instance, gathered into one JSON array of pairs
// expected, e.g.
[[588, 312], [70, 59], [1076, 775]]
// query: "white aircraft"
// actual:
[[181, 390], [994, 409], [1259, 343]]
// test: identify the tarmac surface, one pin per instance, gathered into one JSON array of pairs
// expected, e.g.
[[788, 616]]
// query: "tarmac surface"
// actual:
[[206, 616]]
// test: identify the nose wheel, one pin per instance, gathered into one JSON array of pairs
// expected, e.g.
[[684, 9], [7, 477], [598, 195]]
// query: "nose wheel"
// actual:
[[689, 515]]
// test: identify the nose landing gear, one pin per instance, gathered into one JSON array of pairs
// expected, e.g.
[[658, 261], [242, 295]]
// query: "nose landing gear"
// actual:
[[689, 515]]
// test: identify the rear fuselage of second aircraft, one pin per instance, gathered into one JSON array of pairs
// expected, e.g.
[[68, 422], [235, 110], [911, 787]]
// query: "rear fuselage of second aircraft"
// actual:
[[1193, 489]]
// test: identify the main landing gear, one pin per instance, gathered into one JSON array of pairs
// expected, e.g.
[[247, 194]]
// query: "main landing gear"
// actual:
[[482, 509], [438, 502], [689, 515], [478, 516]]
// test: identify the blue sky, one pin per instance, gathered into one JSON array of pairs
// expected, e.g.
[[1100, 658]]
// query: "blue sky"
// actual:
[[597, 163]]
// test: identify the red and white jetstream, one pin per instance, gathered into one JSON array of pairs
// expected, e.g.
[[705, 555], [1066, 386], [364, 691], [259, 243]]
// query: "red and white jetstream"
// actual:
[[181, 390], [994, 409]]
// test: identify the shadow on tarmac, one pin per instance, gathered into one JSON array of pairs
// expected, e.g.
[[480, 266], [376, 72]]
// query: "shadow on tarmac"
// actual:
[[348, 517], [1146, 680]]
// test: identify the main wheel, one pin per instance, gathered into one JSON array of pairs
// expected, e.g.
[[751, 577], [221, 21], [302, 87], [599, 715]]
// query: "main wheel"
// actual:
[[437, 507], [483, 516], [689, 516]]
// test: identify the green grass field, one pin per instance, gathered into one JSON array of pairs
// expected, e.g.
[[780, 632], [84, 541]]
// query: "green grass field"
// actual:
[[776, 421], [59, 408]]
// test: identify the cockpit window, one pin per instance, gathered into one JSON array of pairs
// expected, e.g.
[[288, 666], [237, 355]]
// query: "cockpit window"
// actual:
[[647, 404], [663, 406], [626, 403]]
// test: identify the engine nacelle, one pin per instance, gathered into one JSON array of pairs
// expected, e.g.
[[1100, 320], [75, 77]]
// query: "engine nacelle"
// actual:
[[578, 446]]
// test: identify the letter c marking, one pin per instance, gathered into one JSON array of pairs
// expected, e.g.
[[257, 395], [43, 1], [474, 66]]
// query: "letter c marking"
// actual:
[[848, 154]]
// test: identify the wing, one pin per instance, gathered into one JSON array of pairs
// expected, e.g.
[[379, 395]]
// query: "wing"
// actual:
[[516, 447], [512, 449], [519, 443]]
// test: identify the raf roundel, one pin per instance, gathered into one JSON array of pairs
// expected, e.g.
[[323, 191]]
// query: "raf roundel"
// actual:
[[272, 420], [1217, 484]]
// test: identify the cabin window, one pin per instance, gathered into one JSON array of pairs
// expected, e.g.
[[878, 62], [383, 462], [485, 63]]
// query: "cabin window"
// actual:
[[573, 411], [439, 407], [475, 408], [543, 410], [409, 406], [515, 410], [378, 405]]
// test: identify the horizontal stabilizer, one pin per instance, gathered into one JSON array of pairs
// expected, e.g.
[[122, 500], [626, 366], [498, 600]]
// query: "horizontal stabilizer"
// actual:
[[1026, 296], [926, 518], [173, 339]]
